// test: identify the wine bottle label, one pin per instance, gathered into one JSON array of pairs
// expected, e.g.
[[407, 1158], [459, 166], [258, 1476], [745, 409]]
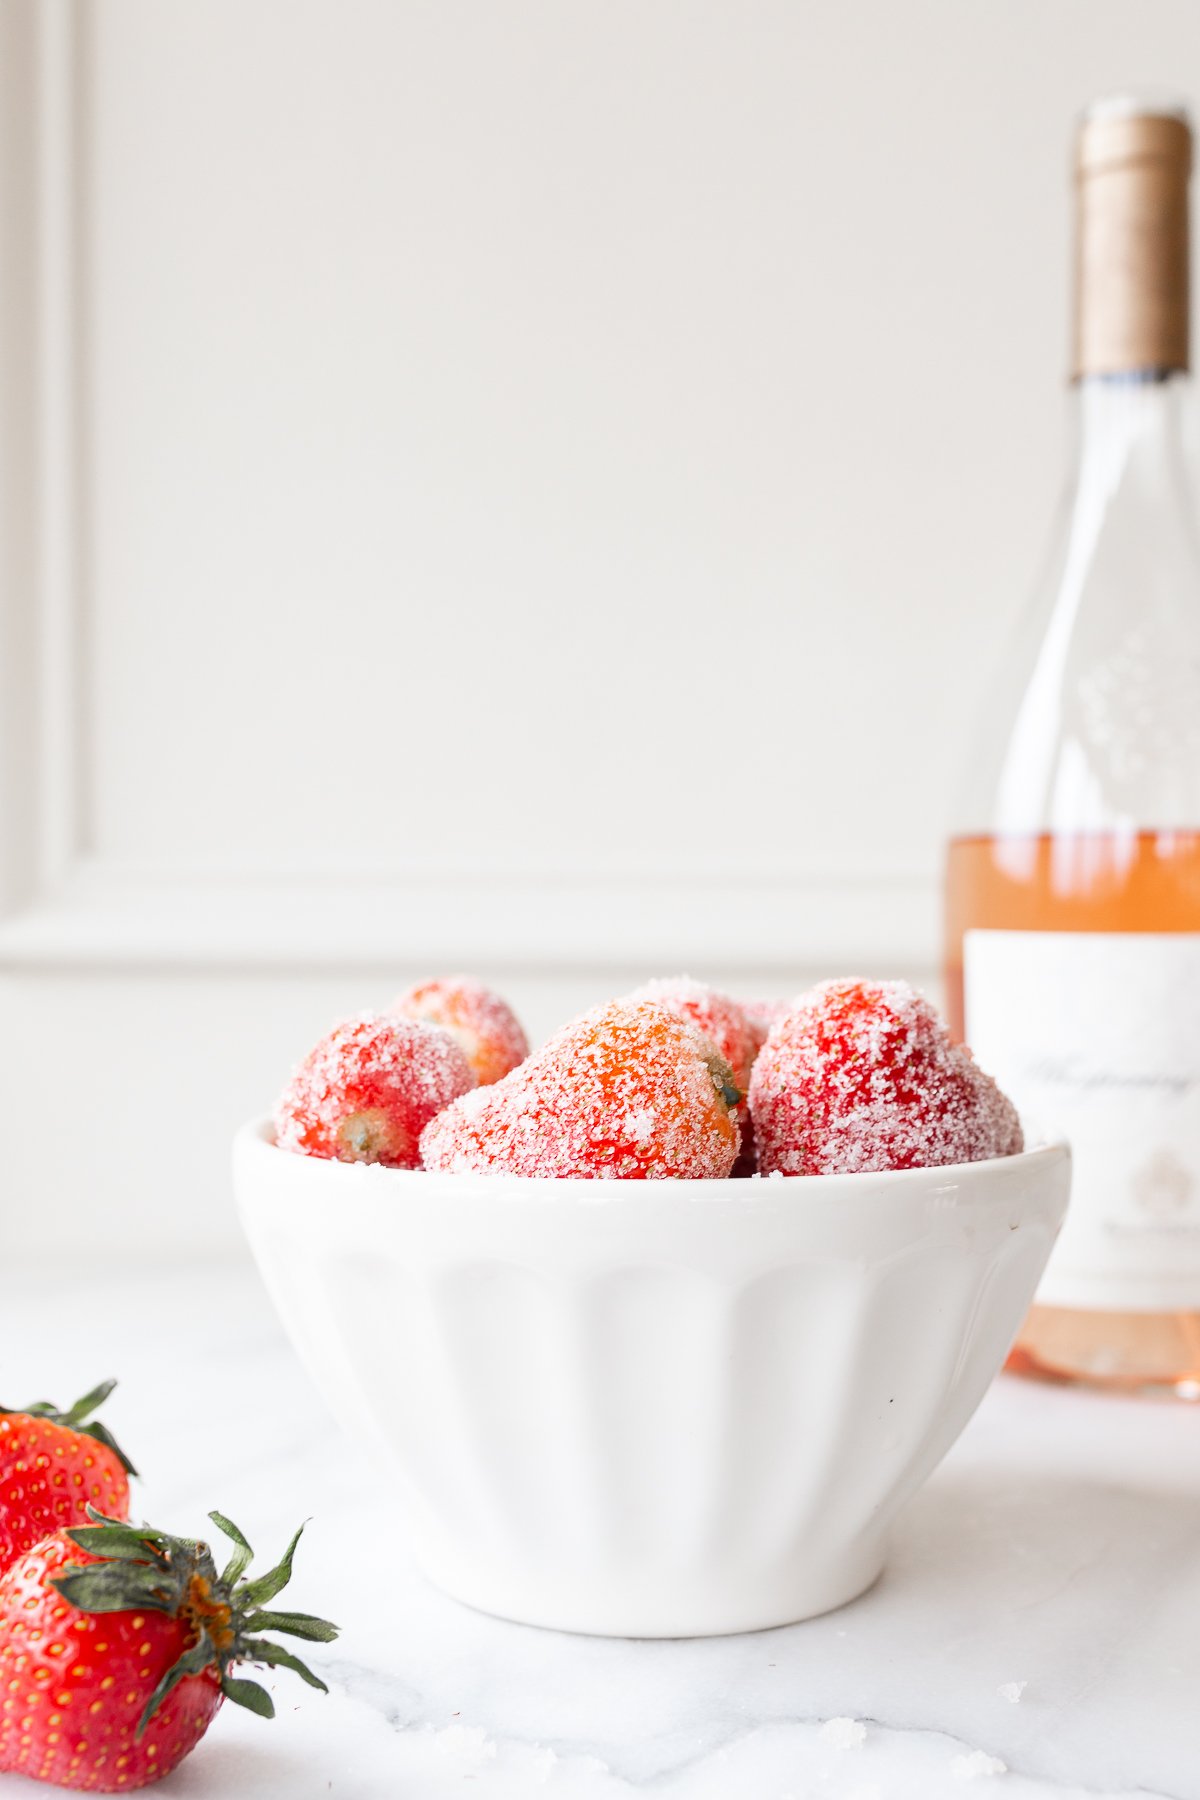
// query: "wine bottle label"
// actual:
[[1096, 1036]]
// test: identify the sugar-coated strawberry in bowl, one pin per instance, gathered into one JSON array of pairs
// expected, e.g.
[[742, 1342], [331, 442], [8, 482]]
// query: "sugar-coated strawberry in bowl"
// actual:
[[621, 1392]]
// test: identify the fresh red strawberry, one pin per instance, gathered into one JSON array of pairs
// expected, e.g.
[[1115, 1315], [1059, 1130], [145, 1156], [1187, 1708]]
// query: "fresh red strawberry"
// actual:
[[116, 1646], [53, 1466]]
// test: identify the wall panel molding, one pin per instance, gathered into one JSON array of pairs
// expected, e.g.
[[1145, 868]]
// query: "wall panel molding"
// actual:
[[64, 907], [99, 917]]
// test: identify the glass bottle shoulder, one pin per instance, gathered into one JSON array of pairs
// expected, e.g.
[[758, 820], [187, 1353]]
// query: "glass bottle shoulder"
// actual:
[[1096, 722]]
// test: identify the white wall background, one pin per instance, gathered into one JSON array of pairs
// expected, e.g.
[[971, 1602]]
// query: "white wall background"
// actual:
[[534, 487]]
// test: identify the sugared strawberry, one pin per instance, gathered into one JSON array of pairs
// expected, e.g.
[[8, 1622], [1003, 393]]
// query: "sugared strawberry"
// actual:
[[53, 1466], [863, 1075], [484, 1024], [117, 1644], [366, 1092], [715, 1016], [628, 1091], [761, 1017]]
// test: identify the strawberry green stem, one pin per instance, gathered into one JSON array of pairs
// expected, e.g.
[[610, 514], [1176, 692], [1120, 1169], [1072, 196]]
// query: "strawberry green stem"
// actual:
[[141, 1569]]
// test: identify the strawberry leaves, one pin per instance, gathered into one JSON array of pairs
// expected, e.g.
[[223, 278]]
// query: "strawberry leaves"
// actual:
[[276, 1657], [242, 1556], [275, 1580], [301, 1625], [191, 1663], [79, 1418], [139, 1568], [248, 1694]]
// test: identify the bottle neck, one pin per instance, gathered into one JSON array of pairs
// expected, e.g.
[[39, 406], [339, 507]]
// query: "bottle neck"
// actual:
[[1134, 427]]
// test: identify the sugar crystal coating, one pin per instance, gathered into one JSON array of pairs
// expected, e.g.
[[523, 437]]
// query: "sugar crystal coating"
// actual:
[[484, 1024], [715, 1016], [627, 1091], [366, 1092], [862, 1075], [761, 1017]]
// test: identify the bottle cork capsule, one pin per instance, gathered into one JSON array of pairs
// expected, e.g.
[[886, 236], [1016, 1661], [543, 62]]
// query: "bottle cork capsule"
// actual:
[[1131, 285]]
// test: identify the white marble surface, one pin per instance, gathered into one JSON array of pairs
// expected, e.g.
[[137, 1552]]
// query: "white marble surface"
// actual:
[[1058, 1546]]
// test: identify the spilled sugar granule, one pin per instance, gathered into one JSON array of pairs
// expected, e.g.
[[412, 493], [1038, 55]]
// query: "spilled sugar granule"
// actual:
[[977, 1763], [844, 1734], [470, 1743], [1012, 1691]]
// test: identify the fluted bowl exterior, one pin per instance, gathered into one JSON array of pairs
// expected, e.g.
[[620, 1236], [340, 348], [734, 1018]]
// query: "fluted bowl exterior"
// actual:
[[652, 1408]]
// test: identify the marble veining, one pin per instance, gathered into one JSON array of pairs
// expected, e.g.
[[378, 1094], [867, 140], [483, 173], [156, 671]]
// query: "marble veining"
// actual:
[[1059, 1546]]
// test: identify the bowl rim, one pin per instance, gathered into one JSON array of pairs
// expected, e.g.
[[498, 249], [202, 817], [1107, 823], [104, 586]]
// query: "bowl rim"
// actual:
[[256, 1139]]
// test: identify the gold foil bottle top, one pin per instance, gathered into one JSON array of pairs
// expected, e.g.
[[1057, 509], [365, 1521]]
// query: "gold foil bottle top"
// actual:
[[1132, 164]]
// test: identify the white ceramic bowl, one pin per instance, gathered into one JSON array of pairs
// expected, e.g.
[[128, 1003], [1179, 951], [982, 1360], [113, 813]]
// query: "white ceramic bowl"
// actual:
[[652, 1408]]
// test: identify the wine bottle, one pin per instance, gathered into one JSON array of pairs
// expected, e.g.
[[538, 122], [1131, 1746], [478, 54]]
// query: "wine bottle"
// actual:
[[1073, 889]]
